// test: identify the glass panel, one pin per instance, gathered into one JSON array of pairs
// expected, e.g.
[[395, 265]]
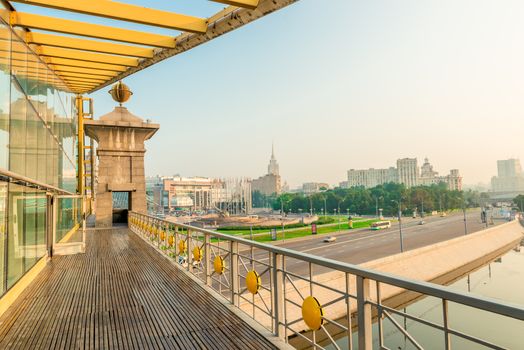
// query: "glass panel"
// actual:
[[15, 237], [41, 224], [5, 87], [17, 131], [30, 231], [31, 153], [66, 219], [3, 234]]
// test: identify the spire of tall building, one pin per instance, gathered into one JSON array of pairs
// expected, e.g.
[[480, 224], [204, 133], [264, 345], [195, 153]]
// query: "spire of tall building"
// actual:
[[273, 164]]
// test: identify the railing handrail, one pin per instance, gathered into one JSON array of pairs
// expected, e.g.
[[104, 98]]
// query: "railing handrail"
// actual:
[[444, 292], [28, 181]]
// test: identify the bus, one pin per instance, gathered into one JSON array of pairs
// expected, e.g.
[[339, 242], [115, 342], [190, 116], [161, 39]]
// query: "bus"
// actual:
[[379, 225]]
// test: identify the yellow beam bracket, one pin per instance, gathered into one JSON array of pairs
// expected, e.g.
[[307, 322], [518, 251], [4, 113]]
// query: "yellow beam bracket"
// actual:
[[66, 26], [88, 45], [126, 12], [249, 4]]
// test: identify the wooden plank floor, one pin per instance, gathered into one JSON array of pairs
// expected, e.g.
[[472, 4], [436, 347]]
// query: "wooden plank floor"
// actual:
[[120, 294]]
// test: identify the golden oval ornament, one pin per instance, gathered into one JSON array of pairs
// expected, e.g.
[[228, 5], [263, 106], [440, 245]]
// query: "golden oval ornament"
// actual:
[[182, 247], [253, 282], [312, 313], [197, 254], [219, 265]]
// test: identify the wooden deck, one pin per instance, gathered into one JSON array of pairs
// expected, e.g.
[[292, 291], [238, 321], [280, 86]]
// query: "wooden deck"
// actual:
[[120, 294]]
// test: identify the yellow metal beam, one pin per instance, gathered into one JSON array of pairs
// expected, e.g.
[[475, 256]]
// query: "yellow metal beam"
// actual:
[[80, 75], [17, 62], [39, 78], [95, 72], [83, 64], [86, 79], [88, 45], [79, 80], [85, 86], [27, 20], [249, 4], [126, 12], [86, 56]]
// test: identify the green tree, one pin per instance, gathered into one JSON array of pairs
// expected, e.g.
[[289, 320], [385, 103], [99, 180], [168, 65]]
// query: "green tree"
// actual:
[[519, 202]]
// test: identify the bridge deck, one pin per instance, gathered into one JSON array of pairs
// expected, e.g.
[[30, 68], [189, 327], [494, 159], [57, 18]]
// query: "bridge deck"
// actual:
[[120, 294]]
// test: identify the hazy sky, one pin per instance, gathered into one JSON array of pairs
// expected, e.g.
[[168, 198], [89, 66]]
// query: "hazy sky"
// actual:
[[341, 84]]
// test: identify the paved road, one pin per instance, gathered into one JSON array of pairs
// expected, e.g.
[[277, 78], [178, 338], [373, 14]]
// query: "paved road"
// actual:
[[369, 245]]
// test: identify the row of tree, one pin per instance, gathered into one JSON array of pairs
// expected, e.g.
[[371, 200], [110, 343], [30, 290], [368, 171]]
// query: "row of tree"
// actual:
[[364, 201]]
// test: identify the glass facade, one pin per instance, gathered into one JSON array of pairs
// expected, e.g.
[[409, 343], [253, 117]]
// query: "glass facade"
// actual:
[[38, 130]]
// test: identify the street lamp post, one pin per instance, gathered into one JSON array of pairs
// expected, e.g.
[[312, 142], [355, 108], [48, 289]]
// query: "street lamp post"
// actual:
[[465, 222], [399, 202], [325, 206]]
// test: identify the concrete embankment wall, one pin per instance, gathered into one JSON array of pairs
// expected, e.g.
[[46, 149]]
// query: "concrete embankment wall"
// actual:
[[440, 263]]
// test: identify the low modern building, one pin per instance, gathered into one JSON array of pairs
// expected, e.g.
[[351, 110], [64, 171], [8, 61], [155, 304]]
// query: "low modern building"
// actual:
[[314, 187], [198, 193]]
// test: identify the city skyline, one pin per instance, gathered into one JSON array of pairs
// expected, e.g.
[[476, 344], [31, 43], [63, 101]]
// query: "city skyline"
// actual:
[[438, 94]]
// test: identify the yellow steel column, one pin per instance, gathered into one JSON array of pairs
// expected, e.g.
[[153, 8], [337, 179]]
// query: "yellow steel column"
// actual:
[[80, 174]]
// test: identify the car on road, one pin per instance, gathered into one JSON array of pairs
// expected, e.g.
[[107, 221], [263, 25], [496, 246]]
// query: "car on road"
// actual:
[[330, 239]]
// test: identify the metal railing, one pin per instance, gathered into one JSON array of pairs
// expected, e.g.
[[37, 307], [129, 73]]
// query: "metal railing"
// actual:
[[307, 300]]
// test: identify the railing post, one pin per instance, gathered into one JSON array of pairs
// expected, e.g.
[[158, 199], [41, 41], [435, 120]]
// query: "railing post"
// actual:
[[365, 339], [206, 257], [277, 294], [447, 337], [235, 285], [188, 253]]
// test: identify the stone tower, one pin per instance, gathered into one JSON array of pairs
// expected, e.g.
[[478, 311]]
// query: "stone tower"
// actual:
[[120, 136]]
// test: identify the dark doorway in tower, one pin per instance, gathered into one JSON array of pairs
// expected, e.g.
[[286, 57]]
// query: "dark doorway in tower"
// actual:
[[121, 207]]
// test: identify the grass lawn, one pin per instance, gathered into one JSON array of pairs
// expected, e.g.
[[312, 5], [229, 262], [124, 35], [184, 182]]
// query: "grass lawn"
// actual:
[[306, 231]]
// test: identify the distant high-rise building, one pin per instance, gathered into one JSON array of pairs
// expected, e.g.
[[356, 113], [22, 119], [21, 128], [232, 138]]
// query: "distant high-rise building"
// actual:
[[371, 177], [408, 172], [272, 168], [510, 178], [509, 168], [426, 170], [270, 183], [428, 176]]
